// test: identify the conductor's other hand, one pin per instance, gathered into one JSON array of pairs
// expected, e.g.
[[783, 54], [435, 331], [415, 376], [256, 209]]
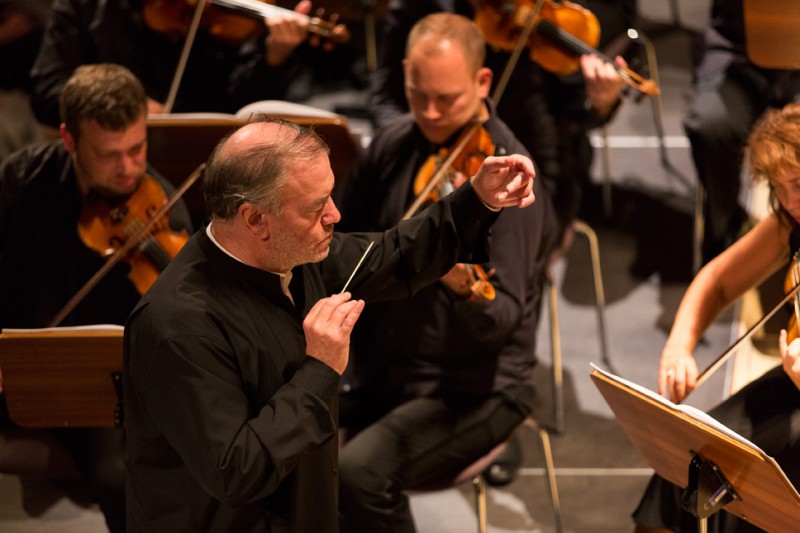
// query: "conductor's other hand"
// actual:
[[505, 181], [328, 327]]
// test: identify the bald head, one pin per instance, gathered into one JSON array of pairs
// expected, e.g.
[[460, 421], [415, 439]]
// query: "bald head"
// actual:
[[252, 165], [440, 32]]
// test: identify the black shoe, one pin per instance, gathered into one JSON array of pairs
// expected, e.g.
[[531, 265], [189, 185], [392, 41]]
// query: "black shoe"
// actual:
[[505, 467]]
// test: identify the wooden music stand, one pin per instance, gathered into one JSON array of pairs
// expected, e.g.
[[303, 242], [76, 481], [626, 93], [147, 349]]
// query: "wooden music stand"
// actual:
[[179, 143], [771, 35], [62, 377], [716, 468]]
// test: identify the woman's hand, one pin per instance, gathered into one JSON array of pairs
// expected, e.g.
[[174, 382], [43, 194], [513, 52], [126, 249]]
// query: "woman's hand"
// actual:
[[677, 373], [790, 353]]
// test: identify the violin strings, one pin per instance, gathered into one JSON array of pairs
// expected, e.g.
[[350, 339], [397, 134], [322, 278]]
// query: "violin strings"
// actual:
[[149, 245]]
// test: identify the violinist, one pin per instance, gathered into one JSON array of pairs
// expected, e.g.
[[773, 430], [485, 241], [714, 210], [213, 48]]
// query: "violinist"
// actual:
[[766, 411], [44, 189], [443, 361], [220, 75], [551, 115]]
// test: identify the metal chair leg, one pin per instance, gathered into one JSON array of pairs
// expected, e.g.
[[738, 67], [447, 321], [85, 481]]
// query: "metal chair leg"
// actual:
[[552, 487], [480, 502], [599, 290], [606, 187], [558, 370], [656, 101], [555, 335]]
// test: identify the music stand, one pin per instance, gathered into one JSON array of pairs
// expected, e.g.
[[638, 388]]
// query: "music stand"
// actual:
[[62, 377], [179, 143], [716, 468], [771, 35]]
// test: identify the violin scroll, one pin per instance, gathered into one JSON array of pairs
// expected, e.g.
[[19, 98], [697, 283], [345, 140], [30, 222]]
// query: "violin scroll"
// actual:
[[481, 288]]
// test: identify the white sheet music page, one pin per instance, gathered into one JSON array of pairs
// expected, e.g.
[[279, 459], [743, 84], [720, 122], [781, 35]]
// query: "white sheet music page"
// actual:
[[693, 412], [66, 329]]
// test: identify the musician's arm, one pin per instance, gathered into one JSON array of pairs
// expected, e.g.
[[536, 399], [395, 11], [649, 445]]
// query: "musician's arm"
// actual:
[[743, 266]]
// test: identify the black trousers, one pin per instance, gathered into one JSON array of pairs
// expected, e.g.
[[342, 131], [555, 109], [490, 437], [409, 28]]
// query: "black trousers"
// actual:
[[415, 444]]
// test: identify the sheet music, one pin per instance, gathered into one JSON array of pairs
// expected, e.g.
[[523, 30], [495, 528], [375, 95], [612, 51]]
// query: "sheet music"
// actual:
[[66, 329], [693, 412]]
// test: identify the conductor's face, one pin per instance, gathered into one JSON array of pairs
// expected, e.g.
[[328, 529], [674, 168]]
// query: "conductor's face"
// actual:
[[302, 231]]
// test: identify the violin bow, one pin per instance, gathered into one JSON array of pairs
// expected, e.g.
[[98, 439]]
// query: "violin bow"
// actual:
[[530, 23], [187, 48], [127, 246], [714, 366]]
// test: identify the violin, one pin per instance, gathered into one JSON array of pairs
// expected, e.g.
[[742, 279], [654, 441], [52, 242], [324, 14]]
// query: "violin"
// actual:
[[105, 227], [140, 231], [234, 21], [444, 172], [557, 33]]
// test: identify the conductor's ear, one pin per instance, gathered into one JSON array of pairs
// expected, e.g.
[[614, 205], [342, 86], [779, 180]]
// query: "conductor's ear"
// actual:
[[255, 220]]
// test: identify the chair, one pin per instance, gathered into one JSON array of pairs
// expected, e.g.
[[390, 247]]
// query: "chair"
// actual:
[[584, 229], [651, 62], [472, 473]]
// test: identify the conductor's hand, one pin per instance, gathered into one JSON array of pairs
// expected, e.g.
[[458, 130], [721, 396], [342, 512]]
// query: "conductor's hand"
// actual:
[[505, 181], [328, 326], [286, 33], [677, 373], [790, 353]]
